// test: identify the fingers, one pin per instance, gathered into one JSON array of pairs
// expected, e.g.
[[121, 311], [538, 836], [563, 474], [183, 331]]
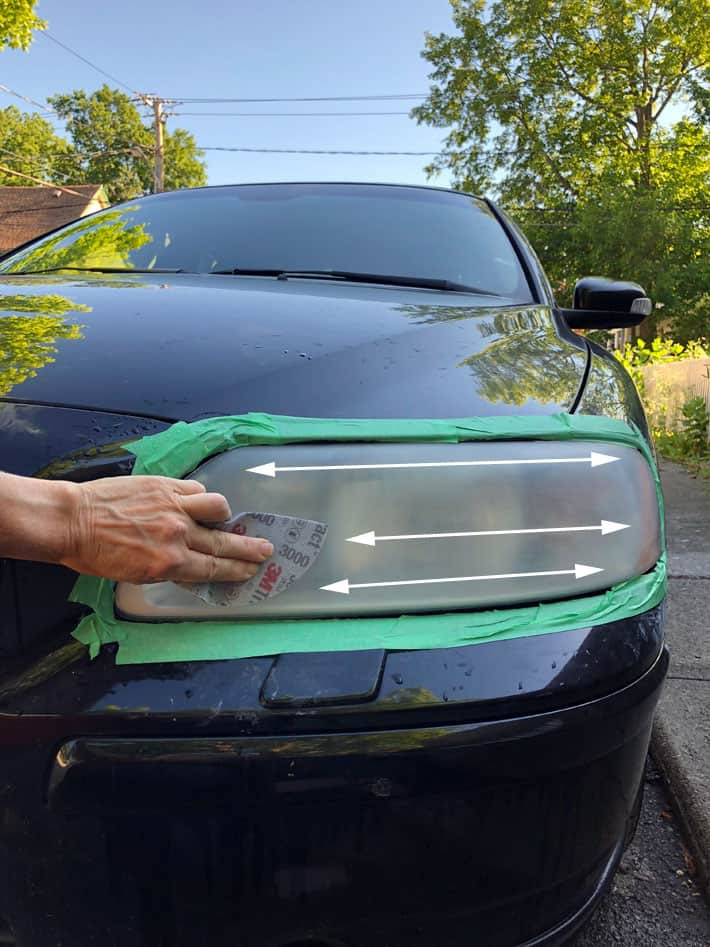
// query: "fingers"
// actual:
[[206, 507], [213, 542], [198, 567], [187, 487]]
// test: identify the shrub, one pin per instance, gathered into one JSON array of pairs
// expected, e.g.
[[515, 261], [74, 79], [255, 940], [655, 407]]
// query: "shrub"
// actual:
[[634, 357]]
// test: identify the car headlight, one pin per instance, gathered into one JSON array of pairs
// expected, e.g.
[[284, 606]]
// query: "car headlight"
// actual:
[[435, 527]]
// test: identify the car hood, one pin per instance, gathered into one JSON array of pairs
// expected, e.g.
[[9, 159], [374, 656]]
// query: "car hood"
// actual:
[[190, 346]]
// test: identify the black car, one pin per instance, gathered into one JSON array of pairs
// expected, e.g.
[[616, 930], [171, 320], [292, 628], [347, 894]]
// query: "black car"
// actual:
[[475, 786]]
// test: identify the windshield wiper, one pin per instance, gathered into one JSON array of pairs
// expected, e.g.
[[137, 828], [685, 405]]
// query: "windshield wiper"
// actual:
[[354, 277], [86, 269]]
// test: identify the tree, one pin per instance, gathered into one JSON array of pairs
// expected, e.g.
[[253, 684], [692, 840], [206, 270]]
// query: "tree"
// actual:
[[30, 145], [17, 21], [183, 164], [116, 148], [107, 131], [561, 107]]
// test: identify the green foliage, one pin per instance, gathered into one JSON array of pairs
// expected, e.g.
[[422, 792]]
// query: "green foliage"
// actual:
[[557, 106], [184, 166], [107, 129], [696, 419], [29, 144], [554, 93], [658, 352], [652, 237], [17, 22], [691, 441], [692, 321], [30, 327], [686, 437], [117, 148]]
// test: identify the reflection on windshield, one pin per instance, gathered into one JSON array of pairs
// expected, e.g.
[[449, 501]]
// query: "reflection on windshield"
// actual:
[[407, 232], [87, 243], [30, 327]]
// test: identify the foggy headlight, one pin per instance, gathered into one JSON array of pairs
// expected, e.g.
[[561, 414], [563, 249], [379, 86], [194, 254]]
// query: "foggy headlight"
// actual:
[[435, 527]]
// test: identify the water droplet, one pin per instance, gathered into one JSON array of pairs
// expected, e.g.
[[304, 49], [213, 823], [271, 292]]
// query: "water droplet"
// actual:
[[397, 678], [381, 788], [520, 685], [554, 665], [468, 672], [445, 696]]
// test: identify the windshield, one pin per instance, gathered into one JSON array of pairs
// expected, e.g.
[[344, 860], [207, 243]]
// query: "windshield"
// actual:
[[407, 232]]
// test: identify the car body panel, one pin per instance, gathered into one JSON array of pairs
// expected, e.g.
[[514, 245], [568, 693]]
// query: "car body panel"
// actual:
[[189, 346], [393, 799], [504, 831]]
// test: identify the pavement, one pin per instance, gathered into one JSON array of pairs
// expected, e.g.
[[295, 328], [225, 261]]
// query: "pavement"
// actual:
[[681, 737], [655, 899]]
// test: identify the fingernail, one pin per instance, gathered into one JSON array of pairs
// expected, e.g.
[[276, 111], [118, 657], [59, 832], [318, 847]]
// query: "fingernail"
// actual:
[[265, 548]]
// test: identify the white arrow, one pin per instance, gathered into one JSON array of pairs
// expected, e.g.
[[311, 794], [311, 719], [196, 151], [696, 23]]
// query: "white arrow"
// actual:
[[605, 527], [594, 459], [344, 585]]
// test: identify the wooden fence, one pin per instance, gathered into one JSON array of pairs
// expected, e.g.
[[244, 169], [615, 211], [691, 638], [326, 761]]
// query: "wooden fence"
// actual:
[[668, 386]]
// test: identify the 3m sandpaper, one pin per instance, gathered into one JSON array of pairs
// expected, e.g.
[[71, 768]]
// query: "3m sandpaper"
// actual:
[[295, 551]]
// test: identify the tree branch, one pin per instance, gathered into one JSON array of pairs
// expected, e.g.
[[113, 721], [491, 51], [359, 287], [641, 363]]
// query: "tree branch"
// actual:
[[675, 81], [522, 118], [672, 89]]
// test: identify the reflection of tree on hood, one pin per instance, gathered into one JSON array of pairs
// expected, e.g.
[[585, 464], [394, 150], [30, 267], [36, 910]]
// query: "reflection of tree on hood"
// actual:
[[424, 315], [29, 333], [486, 320], [526, 359], [528, 365], [89, 243]]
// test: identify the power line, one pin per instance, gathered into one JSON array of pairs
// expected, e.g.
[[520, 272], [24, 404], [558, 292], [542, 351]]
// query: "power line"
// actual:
[[180, 100], [23, 159], [88, 62], [314, 151], [45, 108], [576, 210], [288, 114], [72, 156], [28, 177]]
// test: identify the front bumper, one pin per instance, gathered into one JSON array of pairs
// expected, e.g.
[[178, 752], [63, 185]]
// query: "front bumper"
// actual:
[[501, 830]]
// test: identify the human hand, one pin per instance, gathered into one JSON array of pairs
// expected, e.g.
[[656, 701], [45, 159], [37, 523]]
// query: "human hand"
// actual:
[[147, 529]]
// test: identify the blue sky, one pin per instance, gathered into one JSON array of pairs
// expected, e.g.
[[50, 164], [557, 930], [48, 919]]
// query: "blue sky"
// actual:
[[243, 48]]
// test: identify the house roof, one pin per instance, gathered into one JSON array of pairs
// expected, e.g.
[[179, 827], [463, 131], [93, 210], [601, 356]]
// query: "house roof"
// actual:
[[28, 212]]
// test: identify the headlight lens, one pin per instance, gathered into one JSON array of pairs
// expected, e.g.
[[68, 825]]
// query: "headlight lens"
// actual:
[[534, 521]]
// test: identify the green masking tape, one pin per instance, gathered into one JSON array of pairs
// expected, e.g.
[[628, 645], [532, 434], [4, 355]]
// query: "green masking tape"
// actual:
[[180, 448]]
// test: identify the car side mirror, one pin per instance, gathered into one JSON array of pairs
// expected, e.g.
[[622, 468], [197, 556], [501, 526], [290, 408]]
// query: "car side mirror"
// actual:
[[601, 303]]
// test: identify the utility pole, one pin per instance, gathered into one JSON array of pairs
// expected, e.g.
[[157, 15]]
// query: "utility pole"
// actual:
[[159, 168], [159, 118]]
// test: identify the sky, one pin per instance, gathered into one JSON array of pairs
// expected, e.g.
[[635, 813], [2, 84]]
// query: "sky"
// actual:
[[250, 49]]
